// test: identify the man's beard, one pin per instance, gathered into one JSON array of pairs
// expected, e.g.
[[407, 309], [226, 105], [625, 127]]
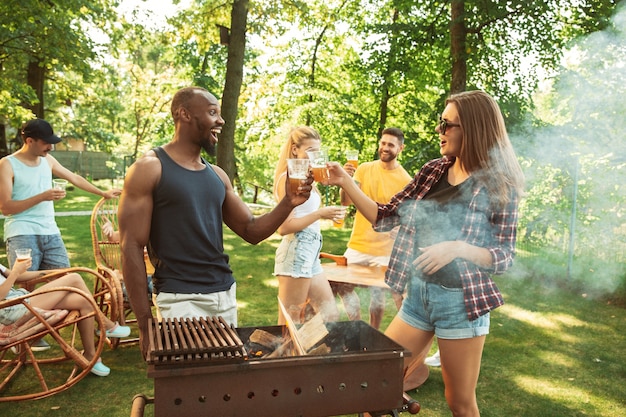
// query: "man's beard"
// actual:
[[387, 157], [209, 147]]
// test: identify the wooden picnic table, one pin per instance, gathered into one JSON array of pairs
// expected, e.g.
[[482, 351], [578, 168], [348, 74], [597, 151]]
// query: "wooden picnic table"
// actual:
[[359, 275]]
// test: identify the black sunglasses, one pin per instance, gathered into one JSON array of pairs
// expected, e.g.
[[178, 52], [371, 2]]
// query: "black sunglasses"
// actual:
[[444, 125]]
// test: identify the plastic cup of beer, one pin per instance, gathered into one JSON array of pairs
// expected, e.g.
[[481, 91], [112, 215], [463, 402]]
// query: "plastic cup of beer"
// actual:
[[318, 160], [22, 254], [352, 157], [298, 170], [59, 184], [338, 221]]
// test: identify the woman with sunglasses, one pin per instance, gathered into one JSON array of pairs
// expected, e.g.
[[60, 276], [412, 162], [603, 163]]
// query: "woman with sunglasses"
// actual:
[[458, 221]]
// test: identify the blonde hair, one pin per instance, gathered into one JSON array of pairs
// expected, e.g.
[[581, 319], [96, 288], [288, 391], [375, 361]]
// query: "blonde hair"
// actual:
[[486, 151], [296, 137]]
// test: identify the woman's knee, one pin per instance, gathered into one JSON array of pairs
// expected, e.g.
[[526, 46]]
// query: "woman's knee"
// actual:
[[462, 404], [73, 280]]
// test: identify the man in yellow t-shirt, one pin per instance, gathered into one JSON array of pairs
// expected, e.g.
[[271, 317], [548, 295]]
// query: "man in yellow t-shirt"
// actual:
[[380, 180]]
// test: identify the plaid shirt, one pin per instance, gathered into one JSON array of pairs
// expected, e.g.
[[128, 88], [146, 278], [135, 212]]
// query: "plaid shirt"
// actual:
[[484, 226]]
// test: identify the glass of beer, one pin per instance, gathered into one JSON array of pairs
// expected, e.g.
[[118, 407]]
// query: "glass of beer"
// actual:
[[318, 160], [352, 157], [59, 184], [22, 254], [298, 170], [338, 221]]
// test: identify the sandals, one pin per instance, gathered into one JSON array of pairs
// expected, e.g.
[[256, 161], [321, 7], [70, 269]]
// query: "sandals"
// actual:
[[117, 331], [100, 369]]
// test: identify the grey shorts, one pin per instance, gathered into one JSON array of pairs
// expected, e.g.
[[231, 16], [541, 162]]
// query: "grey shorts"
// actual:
[[222, 303], [298, 255]]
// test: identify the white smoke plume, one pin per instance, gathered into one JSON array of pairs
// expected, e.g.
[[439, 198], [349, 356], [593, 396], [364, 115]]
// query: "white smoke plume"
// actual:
[[575, 165]]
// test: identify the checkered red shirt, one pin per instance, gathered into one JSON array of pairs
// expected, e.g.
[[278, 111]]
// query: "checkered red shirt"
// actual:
[[484, 226]]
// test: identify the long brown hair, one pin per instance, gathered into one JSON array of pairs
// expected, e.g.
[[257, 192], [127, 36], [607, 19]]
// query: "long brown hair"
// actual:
[[486, 151], [296, 137]]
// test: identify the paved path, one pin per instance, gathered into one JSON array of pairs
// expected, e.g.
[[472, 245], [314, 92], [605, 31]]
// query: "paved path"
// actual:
[[66, 213]]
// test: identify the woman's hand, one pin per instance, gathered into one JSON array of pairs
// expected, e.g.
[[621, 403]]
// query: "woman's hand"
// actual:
[[435, 257], [334, 213], [107, 229], [337, 175], [19, 267]]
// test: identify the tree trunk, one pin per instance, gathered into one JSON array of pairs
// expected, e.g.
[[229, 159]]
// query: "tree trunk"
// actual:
[[232, 88], [36, 76], [384, 99], [4, 148], [458, 36]]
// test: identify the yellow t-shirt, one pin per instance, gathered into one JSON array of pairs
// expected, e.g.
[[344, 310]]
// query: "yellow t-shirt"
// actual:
[[380, 185]]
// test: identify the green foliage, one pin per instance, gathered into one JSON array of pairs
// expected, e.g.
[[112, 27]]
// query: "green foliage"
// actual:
[[31, 31]]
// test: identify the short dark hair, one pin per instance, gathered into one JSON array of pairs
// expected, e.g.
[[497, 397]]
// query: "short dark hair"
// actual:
[[183, 97], [394, 131]]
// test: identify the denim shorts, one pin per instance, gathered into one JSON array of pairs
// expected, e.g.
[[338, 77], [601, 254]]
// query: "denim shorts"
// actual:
[[11, 314], [432, 307], [48, 251], [298, 255]]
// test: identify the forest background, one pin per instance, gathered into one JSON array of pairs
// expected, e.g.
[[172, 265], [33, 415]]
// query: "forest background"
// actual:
[[349, 68]]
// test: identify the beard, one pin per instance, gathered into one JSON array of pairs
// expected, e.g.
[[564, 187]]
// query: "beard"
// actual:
[[386, 157], [208, 147]]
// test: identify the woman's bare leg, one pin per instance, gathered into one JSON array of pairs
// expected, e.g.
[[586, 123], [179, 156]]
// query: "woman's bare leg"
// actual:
[[293, 293], [418, 342], [322, 298], [71, 301], [377, 306], [460, 367]]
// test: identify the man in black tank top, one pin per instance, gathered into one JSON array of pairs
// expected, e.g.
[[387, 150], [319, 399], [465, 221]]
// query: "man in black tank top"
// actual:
[[174, 202]]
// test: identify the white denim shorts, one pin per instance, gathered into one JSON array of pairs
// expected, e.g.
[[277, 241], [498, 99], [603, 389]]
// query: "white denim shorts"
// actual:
[[298, 255]]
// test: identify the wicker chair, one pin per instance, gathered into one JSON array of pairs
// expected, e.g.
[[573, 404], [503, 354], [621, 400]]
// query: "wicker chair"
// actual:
[[108, 257], [26, 376]]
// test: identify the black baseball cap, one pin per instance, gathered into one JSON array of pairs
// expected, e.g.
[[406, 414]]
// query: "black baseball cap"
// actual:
[[39, 129]]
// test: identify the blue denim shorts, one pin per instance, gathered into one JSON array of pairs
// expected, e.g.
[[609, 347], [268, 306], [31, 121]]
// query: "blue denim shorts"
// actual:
[[298, 255], [11, 314], [48, 251], [433, 307]]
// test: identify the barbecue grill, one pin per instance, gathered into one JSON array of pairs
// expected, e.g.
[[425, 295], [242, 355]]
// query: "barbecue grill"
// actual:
[[204, 367]]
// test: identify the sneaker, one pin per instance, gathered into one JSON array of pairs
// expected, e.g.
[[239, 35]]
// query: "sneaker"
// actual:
[[39, 345], [117, 331], [100, 369], [433, 360]]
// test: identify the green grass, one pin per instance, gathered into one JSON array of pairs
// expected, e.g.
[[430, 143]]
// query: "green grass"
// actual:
[[550, 352]]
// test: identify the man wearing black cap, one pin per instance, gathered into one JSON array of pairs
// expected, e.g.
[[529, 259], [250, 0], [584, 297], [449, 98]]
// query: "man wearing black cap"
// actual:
[[27, 196]]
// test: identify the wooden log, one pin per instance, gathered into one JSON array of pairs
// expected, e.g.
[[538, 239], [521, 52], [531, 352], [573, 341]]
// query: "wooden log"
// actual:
[[265, 338]]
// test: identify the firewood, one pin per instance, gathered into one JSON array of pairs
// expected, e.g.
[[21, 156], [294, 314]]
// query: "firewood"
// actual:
[[282, 349], [312, 332], [322, 349], [265, 338]]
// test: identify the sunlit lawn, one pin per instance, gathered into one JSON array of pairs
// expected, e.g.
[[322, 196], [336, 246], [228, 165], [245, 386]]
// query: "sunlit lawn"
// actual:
[[550, 353]]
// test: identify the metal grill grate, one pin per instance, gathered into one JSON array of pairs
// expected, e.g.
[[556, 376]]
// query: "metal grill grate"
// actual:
[[193, 340]]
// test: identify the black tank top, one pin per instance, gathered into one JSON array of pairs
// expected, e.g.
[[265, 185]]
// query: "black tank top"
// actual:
[[186, 236]]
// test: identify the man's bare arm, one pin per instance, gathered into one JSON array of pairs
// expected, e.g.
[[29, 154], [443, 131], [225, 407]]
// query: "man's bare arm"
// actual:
[[134, 216], [253, 229]]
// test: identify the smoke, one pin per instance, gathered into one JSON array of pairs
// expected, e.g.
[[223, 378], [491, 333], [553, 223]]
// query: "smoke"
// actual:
[[575, 160]]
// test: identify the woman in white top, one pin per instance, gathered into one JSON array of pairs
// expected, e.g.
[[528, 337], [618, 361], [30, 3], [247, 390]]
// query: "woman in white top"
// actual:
[[297, 266]]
